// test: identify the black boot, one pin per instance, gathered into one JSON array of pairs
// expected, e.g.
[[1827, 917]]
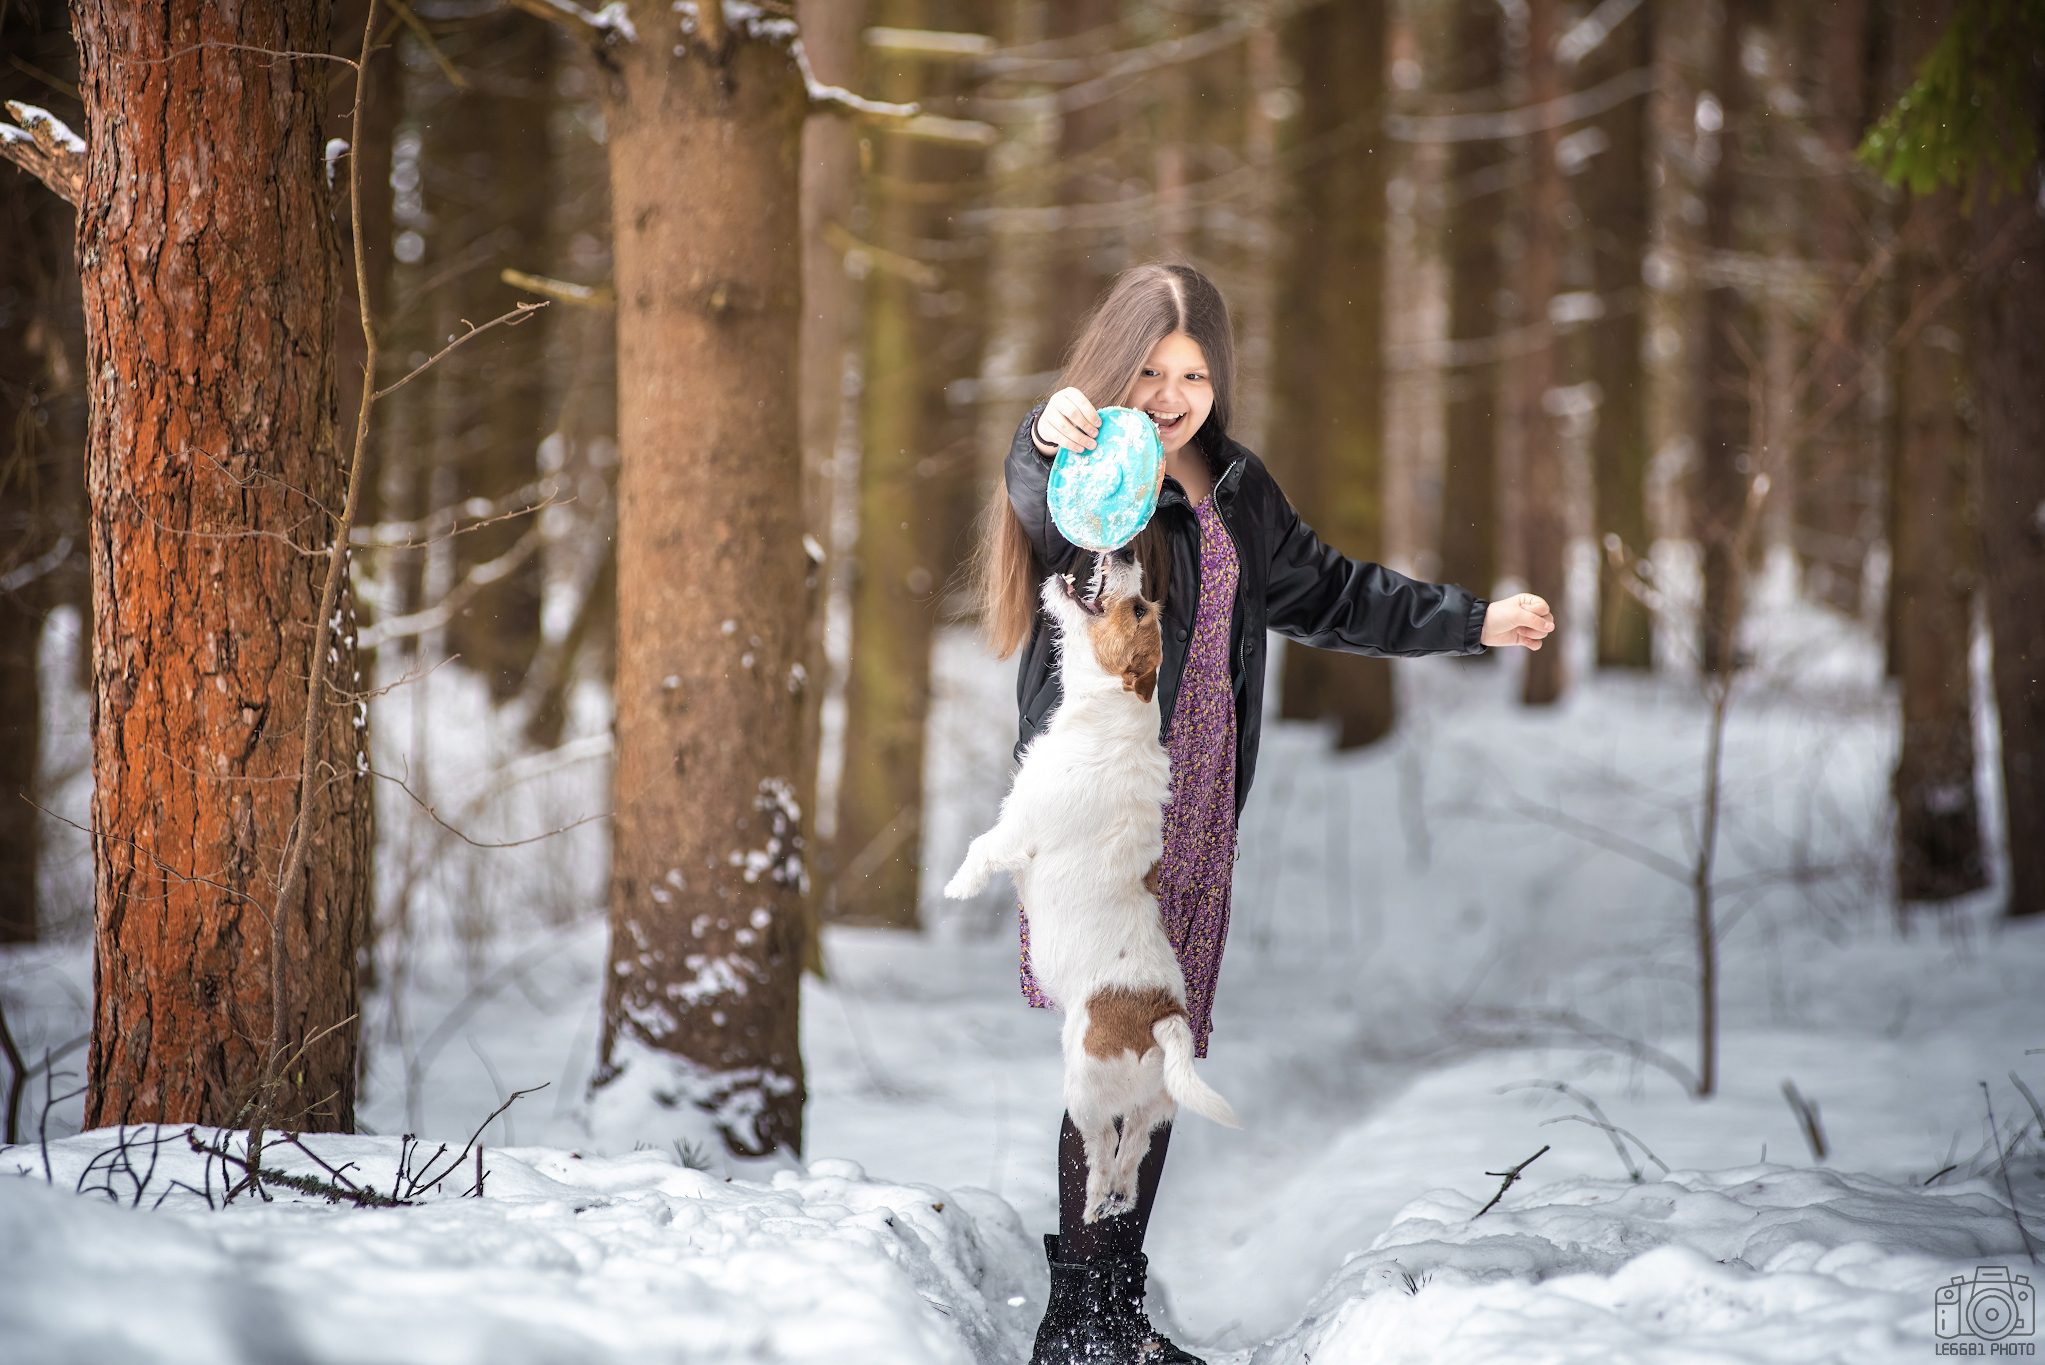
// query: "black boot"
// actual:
[[1143, 1343], [1080, 1326]]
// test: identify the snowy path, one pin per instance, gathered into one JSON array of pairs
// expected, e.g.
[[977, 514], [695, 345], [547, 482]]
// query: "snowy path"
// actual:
[[1414, 939]]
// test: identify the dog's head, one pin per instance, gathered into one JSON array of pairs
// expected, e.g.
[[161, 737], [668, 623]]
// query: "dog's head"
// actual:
[[1118, 634]]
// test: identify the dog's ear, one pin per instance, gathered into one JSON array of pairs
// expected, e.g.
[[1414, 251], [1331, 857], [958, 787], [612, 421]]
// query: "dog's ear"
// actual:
[[1144, 685]]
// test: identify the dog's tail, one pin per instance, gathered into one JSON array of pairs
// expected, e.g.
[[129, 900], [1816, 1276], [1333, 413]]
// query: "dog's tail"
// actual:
[[1175, 1036]]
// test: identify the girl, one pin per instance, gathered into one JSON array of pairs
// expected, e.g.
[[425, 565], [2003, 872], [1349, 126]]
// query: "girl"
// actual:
[[1229, 559]]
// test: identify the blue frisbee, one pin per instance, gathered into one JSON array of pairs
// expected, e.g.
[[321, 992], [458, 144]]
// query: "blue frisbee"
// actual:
[[1101, 498]]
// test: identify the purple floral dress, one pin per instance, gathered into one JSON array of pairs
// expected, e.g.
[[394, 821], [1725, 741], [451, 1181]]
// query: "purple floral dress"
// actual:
[[1200, 822]]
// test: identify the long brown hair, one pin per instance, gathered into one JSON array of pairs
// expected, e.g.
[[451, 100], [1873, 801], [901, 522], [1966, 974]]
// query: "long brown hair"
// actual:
[[1145, 305]]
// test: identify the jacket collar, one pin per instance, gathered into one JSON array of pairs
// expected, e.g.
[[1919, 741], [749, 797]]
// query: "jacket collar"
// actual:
[[1225, 485]]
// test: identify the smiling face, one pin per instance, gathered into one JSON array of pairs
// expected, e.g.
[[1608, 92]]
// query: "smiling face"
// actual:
[[1173, 389]]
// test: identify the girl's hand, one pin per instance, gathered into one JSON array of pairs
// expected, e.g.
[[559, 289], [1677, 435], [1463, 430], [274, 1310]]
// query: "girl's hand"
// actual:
[[1067, 420], [1523, 619]]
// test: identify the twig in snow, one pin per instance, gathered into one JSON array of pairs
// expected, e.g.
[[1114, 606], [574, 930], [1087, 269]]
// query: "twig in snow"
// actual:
[[1806, 1111], [2002, 1161], [1609, 1129], [1598, 1120], [1935, 1175], [332, 1192], [19, 1074], [1511, 1177], [2025, 1091]]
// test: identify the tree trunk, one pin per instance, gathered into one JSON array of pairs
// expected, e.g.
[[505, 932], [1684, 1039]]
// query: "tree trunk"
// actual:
[[488, 181], [208, 259], [1544, 527], [1838, 488], [1933, 555], [1476, 216], [701, 993], [1726, 463], [830, 336], [2008, 349], [916, 479], [1938, 838], [1327, 435], [1084, 260], [1616, 212], [40, 458]]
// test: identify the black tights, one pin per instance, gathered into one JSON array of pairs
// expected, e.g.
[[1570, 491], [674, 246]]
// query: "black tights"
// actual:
[[1121, 1235]]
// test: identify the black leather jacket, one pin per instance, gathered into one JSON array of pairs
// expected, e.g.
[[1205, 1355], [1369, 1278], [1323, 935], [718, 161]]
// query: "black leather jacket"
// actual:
[[1288, 582]]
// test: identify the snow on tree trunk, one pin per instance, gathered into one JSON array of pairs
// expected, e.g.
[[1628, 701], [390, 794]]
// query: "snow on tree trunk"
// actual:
[[830, 337], [208, 257], [1327, 438], [2009, 356], [706, 882]]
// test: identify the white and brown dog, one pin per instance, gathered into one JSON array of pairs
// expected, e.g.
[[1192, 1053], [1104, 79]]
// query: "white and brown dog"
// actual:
[[1080, 832]]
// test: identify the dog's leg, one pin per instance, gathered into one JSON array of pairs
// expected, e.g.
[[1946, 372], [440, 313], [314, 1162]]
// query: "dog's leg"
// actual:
[[996, 849]]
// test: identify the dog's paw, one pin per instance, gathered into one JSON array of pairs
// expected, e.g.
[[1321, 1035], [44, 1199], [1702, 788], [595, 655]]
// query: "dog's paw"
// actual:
[[1110, 1204], [967, 881]]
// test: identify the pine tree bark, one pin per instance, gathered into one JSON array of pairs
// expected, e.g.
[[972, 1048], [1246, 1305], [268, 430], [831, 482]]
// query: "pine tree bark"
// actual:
[[1616, 210], [916, 479], [2008, 348], [701, 993], [208, 256], [1544, 529], [1476, 217], [1327, 438], [1725, 461]]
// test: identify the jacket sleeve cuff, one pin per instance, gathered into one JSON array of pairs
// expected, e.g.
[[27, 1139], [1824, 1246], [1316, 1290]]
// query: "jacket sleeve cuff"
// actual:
[[1473, 629]]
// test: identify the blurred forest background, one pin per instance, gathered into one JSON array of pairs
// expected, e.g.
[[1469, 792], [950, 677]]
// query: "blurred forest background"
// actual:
[[1592, 299]]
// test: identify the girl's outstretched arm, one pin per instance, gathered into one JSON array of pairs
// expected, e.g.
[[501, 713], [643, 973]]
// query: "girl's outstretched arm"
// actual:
[[1320, 597]]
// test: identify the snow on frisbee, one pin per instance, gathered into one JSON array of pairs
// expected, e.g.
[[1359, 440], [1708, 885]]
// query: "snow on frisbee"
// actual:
[[567, 1258], [1101, 498], [1757, 1264]]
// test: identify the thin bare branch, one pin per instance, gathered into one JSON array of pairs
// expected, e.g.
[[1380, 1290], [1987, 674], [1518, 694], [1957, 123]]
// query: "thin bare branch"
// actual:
[[1533, 118], [513, 318], [440, 613], [446, 521], [433, 813]]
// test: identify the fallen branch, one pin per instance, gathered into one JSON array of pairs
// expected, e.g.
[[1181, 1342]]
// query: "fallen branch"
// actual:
[[328, 1190], [1598, 1120], [40, 143], [2002, 1163], [1511, 1177], [1806, 1111]]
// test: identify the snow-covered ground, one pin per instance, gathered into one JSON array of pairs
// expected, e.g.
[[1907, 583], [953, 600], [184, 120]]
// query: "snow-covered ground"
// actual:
[[1449, 951]]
